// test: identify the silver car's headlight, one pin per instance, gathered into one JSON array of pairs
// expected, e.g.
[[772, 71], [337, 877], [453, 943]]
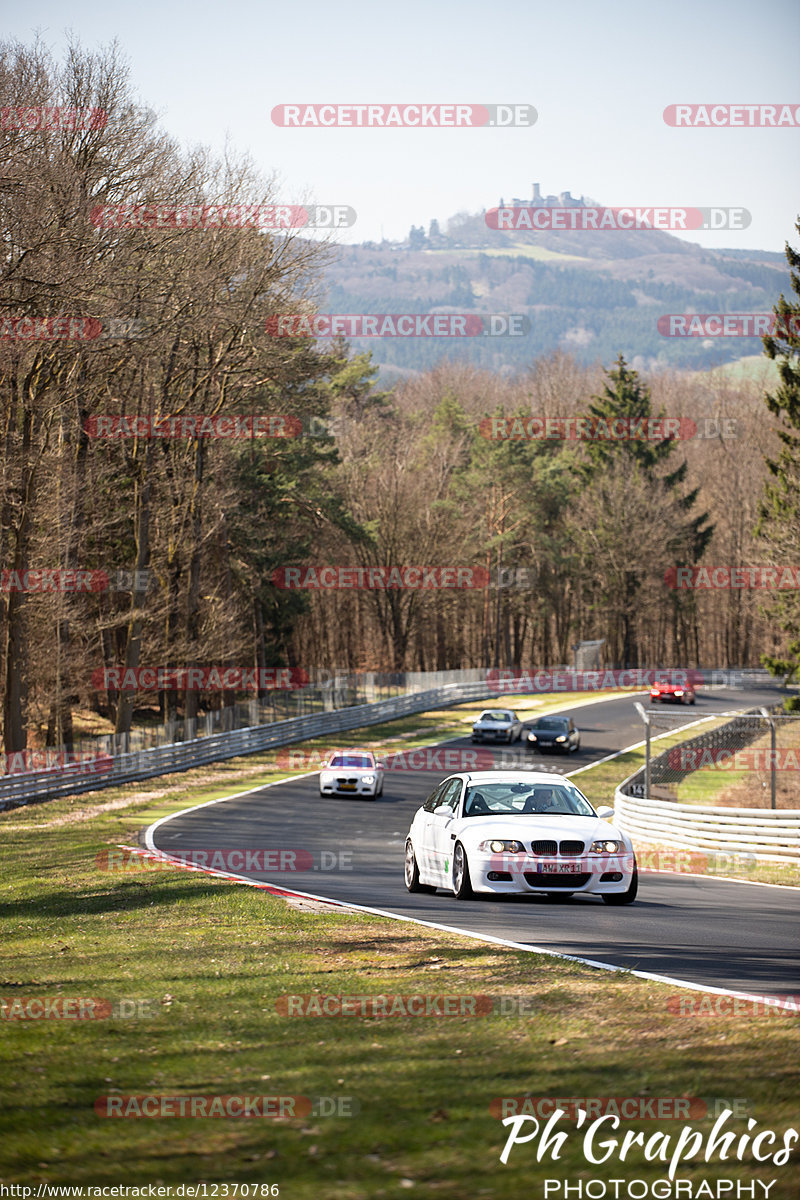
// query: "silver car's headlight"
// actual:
[[605, 847], [367, 778], [497, 846]]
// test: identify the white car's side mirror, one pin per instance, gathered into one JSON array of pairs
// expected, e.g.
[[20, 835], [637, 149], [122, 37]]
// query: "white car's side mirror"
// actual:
[[444, 810], [604, 812]]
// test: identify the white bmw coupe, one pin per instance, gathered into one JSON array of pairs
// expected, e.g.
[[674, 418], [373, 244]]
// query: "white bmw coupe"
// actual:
[[514, 831]]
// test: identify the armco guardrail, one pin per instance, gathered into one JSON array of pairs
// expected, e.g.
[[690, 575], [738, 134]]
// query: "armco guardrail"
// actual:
[[766, 835], [111, 771]]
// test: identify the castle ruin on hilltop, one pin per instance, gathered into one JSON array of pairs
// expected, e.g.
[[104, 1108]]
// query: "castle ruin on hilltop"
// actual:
[[563, 200]]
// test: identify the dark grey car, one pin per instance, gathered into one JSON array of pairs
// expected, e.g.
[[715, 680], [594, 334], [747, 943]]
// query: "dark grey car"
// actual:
[[554, 733]]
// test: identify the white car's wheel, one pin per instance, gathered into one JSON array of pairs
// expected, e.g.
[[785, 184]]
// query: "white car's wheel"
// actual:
[[462, 885], [411, 872]]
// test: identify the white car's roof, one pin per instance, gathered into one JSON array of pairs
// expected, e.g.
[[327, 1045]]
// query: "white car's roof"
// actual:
[[510, 776]]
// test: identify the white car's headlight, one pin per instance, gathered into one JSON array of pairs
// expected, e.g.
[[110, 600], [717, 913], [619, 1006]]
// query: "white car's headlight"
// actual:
[[325, 776], [367, 778], [605, 847], [497, 846]]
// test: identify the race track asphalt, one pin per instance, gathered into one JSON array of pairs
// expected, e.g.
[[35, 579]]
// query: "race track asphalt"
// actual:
[[705, 930]]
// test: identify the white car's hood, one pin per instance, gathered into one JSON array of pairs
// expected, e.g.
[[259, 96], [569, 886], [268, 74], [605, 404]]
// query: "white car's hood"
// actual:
[[349, 770], [535, 827]]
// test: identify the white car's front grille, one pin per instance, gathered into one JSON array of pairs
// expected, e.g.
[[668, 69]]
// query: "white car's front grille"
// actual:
[[551, 847]]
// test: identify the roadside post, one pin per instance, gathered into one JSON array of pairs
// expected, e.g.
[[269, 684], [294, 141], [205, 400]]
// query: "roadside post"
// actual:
[[646, 719]]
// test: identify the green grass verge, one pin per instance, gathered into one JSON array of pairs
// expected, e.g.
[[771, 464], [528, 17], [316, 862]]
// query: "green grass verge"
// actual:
[[215, 959], [703, 787]]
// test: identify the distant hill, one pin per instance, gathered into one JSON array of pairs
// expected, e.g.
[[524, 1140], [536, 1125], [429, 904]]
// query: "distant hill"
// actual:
[[593, 293]]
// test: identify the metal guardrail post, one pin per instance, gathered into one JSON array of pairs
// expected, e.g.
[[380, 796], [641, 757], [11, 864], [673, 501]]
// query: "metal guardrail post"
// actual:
[[646, 720], [772, 758]]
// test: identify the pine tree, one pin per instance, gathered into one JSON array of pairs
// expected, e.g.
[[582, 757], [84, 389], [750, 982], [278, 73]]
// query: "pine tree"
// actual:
[[629, 399], [625, 397], [779, 515]]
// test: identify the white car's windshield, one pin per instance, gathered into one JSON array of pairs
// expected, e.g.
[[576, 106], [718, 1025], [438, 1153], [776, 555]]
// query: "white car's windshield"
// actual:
[[359, 761], [495, 716], [524, 799]]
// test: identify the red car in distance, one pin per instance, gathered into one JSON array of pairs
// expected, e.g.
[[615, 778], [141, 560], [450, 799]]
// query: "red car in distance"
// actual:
[[673, 693]]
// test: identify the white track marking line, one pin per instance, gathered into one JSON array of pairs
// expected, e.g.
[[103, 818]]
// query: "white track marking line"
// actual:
[[276, 889]]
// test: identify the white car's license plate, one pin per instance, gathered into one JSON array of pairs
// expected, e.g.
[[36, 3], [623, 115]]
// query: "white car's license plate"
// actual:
[[347, 787], [558, 868]]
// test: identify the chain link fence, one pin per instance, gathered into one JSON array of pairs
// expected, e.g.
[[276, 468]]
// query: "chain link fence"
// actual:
[[754, 757], [329, 691]]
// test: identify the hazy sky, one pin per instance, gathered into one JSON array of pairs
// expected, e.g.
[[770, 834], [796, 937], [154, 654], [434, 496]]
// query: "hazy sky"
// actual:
[[599, 76]]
